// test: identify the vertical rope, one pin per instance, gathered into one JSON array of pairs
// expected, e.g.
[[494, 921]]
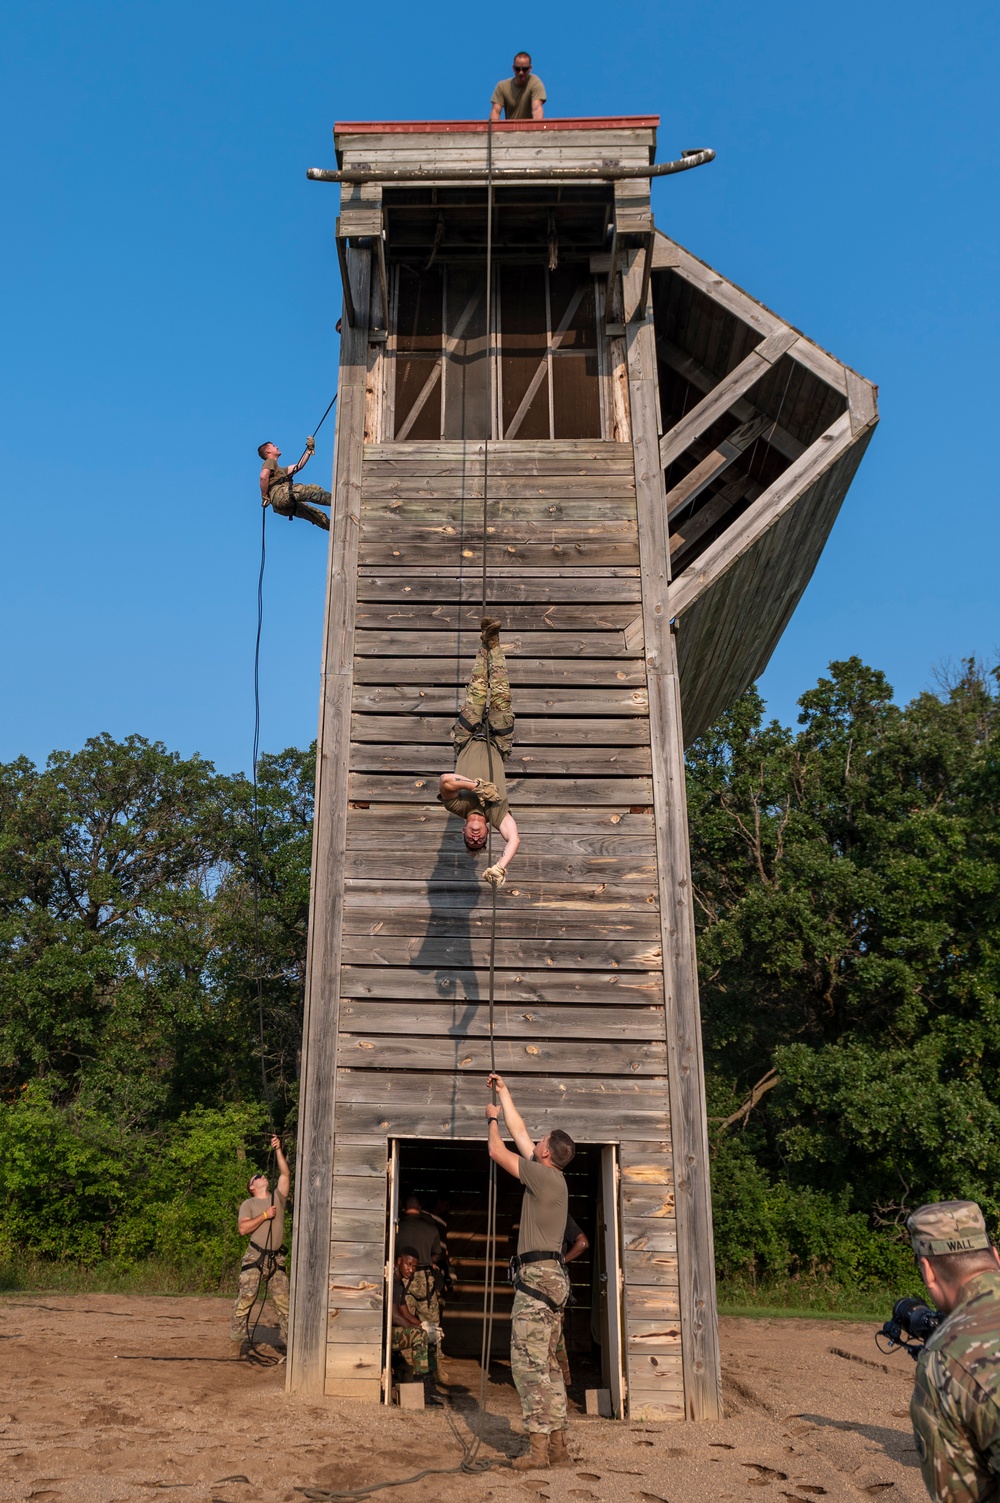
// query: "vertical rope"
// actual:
[[489, 1284]]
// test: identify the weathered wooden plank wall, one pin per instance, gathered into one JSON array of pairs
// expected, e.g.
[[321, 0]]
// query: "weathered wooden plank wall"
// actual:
[[580, 1022]]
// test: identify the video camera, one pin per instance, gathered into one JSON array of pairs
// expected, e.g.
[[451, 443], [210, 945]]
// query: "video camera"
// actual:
[[915, 1319]]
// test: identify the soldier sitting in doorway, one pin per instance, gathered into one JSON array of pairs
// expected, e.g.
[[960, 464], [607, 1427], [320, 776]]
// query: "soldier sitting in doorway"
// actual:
[[521, 97], [477, 790], [286, 500], [419, 1233], [409, 1339]]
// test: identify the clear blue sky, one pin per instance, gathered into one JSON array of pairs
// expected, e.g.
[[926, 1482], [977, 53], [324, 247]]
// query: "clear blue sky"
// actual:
[[172, 292]]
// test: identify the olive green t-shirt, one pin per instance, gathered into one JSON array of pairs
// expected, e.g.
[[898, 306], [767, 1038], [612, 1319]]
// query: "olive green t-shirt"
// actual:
[[279, 474], [270, 1234], [516, 98], [544, 1208], [473, 762]]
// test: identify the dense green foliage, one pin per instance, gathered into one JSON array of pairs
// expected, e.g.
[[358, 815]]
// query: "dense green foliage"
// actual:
[[131, 1086], [848, 889], [847, 877]]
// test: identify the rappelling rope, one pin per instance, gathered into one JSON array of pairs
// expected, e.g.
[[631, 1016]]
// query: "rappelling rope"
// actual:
[[489, 1287], [471, 1462], [254, 1354]]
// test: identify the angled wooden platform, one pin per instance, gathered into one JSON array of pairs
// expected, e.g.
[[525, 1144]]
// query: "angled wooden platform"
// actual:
[[644, 553]]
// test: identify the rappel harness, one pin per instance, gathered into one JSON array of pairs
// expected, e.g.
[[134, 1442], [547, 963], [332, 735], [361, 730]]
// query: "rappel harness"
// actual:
[[521, 1260]]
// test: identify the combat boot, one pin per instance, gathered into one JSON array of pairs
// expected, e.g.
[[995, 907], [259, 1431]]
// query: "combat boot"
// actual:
[[558, 1454], [490, 632], [536, 1457]]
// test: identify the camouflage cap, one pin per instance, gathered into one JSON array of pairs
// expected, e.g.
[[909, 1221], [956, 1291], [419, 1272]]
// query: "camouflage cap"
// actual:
[[947, 1226]]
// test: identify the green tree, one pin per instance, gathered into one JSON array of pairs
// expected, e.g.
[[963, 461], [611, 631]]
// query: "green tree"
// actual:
[[849, 913]]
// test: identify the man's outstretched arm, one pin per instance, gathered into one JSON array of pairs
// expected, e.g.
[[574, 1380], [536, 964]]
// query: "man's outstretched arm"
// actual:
[[512, 1117], [499, 1152], [307, 454], [508, 829], [284, 1173]]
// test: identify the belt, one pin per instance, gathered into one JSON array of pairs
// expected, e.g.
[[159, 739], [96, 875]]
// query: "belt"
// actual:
[[519, 1260]]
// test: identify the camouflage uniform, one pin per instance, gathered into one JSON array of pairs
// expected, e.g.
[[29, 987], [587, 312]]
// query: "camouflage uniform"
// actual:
[[501, 714], [955, 1407], [535, 1333], [411, 1343], [290, 500], [277, 1290], [423, 1302]]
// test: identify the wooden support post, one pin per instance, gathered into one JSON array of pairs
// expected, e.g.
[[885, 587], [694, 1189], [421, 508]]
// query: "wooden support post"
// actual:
[[350, 312], [685, 1073], [306, 1369], [647, 270]]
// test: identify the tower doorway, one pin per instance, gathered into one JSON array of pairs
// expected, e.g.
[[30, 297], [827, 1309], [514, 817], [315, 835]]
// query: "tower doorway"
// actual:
[[450, 1179]]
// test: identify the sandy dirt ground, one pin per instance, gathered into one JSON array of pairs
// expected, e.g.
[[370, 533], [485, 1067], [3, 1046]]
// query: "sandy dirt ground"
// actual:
[[105, 1398]]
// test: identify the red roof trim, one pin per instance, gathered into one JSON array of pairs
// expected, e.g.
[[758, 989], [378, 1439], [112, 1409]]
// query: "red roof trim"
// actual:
[[457, 127]]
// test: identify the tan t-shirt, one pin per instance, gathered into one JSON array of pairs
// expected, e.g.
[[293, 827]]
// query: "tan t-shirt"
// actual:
[[544, 1208], [279, 474], [516, 98], [473, 762], [270, 1234]]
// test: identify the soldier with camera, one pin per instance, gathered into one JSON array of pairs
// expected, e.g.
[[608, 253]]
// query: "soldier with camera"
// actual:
[[955, 1407]]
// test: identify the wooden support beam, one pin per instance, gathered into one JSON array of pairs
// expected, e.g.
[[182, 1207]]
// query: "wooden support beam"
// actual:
[[706, 380], [306, 1369], [721, 397], [685, 1071], [684, 536], [714, 464], [762, 514]]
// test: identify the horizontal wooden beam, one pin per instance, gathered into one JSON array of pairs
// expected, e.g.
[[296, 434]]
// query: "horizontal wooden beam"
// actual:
[[471, 1020], [533, 761], [399, 789], [473, 1056], [464, 988], [401, 728]]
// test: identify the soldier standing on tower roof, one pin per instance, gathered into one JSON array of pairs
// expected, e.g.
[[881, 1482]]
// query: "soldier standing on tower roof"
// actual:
[[477, 790], [540, 1278], [521, 97], [955, 1407]]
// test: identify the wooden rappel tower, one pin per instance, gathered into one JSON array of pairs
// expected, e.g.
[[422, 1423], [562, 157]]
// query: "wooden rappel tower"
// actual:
[[663, 459]]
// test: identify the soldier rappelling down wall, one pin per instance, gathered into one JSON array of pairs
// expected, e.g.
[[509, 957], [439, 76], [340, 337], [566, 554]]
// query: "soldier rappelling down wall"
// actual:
[[277, 491], [484, 735]]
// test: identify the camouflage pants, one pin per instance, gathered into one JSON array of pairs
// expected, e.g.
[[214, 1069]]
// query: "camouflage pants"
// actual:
[[534, 1338], [411, 1343], [501, 714], [562, 1356], [423, 1302], [291, 501], [277, 1289]]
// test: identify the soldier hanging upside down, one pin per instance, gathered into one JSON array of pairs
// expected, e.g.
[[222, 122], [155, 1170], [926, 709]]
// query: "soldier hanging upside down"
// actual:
[[477, 790], [286, 500]]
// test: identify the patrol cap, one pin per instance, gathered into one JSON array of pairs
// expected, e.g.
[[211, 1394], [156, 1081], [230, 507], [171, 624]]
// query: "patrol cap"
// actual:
[[947, 1226]]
